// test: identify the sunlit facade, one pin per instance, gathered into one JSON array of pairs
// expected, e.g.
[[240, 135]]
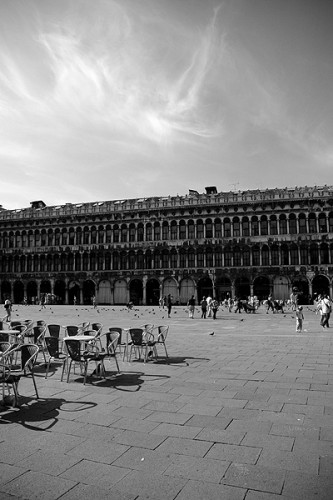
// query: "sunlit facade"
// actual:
[[219, 243]]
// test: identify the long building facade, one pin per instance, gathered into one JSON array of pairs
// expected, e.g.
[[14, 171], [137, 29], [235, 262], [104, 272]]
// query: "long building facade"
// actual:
[[237, 244]]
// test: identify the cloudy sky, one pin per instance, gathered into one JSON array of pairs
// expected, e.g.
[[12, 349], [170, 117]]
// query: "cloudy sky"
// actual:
[[109, 99]]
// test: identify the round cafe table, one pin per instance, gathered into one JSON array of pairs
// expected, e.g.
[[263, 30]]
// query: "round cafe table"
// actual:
[[12, 335]]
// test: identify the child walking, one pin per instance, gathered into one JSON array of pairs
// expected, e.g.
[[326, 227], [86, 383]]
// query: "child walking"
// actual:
[[299, 318]]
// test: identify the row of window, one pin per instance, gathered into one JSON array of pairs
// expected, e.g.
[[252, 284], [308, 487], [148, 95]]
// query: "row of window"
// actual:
[[173, 230], [276, 255]]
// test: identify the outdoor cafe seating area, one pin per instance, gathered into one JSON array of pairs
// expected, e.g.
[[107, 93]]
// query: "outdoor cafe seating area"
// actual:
[[80, 351]]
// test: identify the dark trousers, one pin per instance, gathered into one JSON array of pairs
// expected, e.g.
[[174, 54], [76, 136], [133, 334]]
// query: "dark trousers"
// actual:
[[324, 320]]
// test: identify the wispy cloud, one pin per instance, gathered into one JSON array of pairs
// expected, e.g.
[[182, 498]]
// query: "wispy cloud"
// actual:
[[134, 88], [120, 82]]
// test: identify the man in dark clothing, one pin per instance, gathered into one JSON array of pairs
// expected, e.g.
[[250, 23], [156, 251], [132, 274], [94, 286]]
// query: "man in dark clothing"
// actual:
[[203, 308], [191, 307]]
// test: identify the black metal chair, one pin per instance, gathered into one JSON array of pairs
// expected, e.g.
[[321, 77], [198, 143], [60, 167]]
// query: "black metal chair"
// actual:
[[143, 342], [162, 332], [71, 330], [54, 330], [53, 353], [83, 357], [112, 339], [11, 375]]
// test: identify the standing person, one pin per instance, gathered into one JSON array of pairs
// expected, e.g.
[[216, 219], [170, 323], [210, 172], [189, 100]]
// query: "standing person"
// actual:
[[215, 306], [169, 304], [161, 302], [209, 306], [203, 308], [8, 308], [238, 307], [294, 300], [74, 300], [191, 307], [325, 309], [94, 301], [299, 319]]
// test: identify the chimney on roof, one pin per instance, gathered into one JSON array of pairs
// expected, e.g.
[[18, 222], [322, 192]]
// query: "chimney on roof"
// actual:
[[211, 190], [37, 204]]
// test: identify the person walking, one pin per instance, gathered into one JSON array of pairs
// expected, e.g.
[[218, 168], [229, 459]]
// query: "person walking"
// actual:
[[42, 302], [8, 308], [191, 307], [238, 307], [325, 309], [203, 308], [215, 306], [299, 319], [169, 304], [209, 306]]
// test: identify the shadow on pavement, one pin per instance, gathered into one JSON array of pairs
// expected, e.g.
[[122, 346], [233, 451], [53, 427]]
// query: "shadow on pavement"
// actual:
[[41, 410]]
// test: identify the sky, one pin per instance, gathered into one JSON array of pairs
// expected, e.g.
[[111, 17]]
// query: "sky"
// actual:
[[113, 99]]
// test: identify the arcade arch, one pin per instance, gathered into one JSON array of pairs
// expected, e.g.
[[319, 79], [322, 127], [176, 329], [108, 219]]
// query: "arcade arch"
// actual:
[[186, 290], [104, 292], [152, 292], [320, 285], [120, 292], [205, 288], [170, 286], [136, 291]]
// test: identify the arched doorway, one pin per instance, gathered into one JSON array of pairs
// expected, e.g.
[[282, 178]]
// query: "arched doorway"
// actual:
[[205, 288], [320, 285], [32, 292], [242, 287], [170, 287], [45, 287], [300, 285], [60, 292], [187, 289], [88, 291], [152, 292], [281, 288], [136, 292], [18, 292], [261, 287], [222, 288], [6, 290], [120, 292], [73, 291], [104, 292]]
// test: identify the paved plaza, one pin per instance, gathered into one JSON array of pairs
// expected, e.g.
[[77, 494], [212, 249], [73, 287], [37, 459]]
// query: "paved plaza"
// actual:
[[245, 413]]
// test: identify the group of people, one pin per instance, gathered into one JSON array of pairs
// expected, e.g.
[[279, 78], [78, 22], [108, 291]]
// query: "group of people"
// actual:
[[209, 307], [324, 308]]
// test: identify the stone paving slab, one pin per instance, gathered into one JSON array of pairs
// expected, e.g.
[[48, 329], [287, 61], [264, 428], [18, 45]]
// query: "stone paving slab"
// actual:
[[245, 414]]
